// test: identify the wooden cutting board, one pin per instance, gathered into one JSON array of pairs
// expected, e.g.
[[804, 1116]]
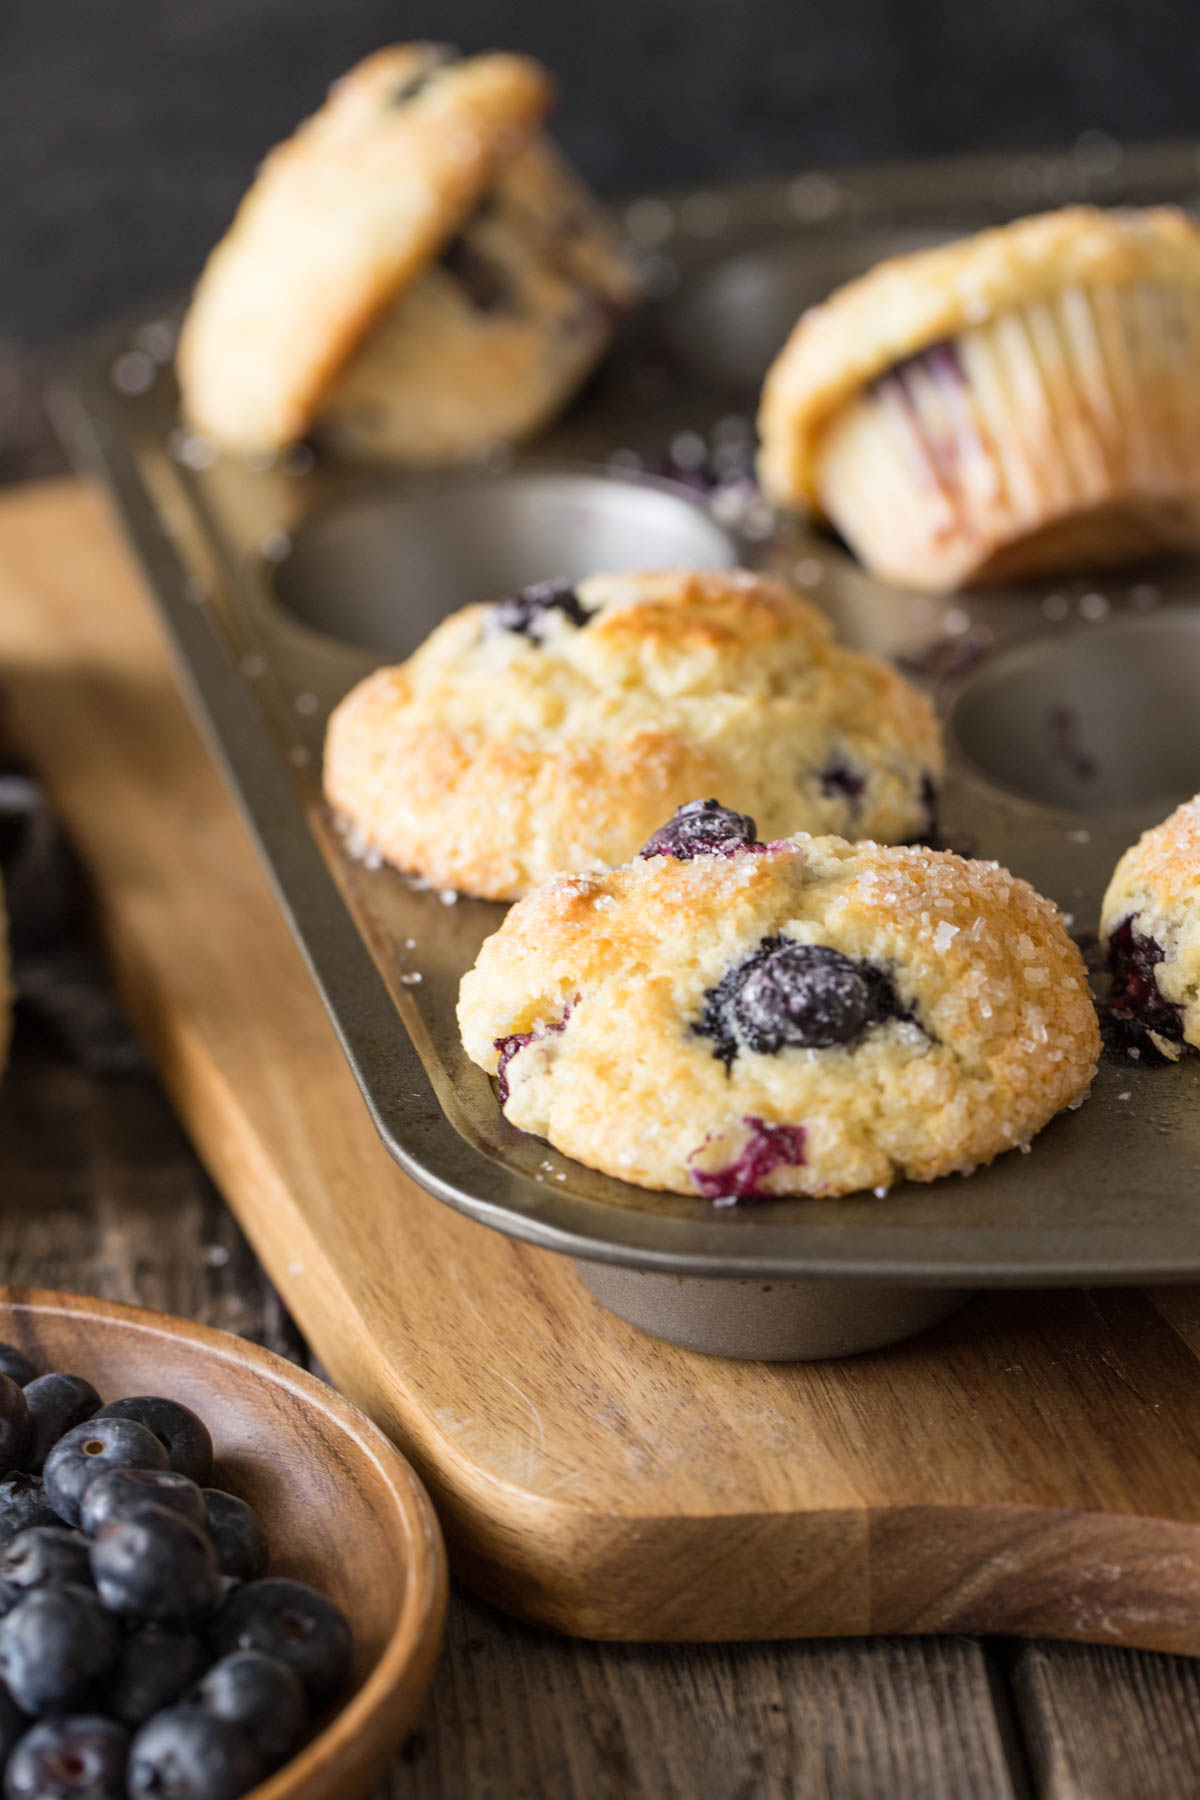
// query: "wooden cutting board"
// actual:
[[1032, 1466]]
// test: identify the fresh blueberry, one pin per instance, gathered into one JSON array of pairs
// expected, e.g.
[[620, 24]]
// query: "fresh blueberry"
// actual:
[[182, 1435], [55, 1645], [292, 1622], [155, 1666], [702, 828], [48, 1554], [792, 994], [155, 1566], [237, 1535], [14, 1424], [80, 1758], [56, 1404], [23, 1504], [525, 612], [123, 1492], [91, 1450], [1136, 1011], [16, 1365], [261, 1695], [186, 1754]]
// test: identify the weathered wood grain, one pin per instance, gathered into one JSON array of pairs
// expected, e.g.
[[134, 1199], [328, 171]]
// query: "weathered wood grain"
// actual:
[[515, 1713], [1103, 1724]]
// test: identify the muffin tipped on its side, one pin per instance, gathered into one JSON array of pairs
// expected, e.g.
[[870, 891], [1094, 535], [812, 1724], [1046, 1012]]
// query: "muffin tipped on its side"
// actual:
[[415, 273], [557, 728], [1019, 402], [739, 1020]]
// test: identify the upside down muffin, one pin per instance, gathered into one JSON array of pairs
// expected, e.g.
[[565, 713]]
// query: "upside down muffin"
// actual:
[[1015, 403]]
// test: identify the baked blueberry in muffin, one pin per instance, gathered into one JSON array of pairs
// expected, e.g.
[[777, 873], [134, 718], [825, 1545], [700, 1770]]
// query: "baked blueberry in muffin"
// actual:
[[526, 613], [703, 827], [1150, 929], [803, 995], [556, 729], [415, 275], [801, 1016]]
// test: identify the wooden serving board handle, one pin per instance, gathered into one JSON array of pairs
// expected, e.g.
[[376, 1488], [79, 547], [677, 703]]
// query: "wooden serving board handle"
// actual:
[[1031, 1466]]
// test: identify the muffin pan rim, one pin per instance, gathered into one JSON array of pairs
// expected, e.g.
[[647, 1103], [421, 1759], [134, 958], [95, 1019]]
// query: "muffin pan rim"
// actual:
[[758, 1241]]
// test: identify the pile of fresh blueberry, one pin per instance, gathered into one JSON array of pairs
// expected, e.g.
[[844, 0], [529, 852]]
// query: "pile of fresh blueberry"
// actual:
[[143, 1651]]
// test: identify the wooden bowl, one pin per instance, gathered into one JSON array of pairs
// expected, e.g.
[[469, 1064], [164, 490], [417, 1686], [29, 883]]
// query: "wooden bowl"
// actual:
[[343, 1509]]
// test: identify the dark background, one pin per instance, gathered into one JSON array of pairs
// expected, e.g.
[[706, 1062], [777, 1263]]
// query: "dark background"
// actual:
[[128, 128]]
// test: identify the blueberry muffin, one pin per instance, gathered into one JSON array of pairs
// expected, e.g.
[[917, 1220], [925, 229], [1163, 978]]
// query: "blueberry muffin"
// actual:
[[555, 729], [496, 335], [738, 1020], [415, 272], [1150, 928], [1020, 402]]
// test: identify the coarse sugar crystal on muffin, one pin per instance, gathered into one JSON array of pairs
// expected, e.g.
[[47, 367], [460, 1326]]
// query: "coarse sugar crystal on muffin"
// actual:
[[742, 1020], [557, 728], [1019, 402], [1150, 928], [415, 273]]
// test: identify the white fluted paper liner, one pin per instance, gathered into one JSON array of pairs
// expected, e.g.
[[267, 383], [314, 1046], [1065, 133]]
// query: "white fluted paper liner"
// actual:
[[1060, 435]]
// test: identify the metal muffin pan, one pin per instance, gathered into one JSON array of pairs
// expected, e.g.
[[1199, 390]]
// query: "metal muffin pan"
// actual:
[[1070, 712]]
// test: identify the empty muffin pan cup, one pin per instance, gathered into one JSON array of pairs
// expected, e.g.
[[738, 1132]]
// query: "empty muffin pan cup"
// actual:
[[1069, 706], [1100, 720], [727, 325], [382, 569]]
